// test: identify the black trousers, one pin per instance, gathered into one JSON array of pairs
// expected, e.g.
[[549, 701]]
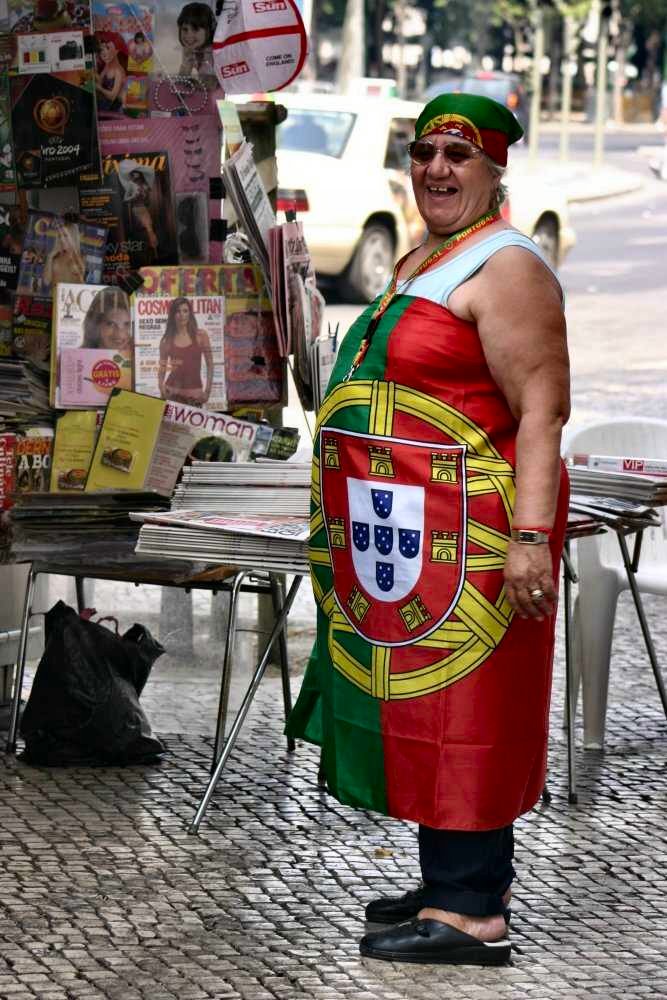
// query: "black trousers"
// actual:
[[466, 871]]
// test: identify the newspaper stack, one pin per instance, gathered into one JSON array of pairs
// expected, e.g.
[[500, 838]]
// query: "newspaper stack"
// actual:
[[80, 529], [273, 543], [24, 395], [283, 488], [246, 514], [640, 480]]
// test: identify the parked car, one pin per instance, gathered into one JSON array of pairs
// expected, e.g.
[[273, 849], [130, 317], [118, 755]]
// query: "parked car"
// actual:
[[506, 88], [342, 164]]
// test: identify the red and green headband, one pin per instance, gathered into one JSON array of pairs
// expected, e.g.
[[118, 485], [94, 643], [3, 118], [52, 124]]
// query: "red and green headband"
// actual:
[[484, 122]]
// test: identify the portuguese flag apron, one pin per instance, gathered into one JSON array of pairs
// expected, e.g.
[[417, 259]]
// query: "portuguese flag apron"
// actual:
[[428, 696]]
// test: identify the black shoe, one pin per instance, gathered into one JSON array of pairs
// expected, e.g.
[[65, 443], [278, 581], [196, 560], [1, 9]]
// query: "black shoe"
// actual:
[[433, 943], [396, 909]]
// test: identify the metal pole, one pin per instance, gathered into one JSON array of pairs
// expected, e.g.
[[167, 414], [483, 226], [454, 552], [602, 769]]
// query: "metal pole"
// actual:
[[566, 89], [245, 705], [601, 91], [536, 84]]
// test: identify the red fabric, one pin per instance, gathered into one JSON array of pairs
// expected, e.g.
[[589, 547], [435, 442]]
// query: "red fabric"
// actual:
[[484, 736]]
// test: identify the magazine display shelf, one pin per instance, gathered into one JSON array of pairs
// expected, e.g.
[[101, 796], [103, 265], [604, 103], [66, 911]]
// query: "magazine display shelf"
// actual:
[[216, 579]]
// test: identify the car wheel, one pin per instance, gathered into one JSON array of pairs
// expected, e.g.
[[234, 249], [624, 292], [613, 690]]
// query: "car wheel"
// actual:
[[547, 239], [371, 267]]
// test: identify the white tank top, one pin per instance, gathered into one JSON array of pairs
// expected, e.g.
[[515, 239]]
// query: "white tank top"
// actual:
[[438, 283]]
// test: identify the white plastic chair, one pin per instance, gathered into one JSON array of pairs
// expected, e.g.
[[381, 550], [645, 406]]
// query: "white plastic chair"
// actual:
[[602, 574]]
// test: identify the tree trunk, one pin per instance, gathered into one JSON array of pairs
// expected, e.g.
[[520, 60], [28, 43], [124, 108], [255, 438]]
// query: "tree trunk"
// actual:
[[351, 62]]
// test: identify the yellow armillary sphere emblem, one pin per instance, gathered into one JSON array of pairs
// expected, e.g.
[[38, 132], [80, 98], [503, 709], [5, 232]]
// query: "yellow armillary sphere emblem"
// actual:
[[479, 615]]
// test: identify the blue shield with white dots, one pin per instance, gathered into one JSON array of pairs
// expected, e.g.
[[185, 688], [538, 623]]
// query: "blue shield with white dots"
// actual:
[[361, 535], [384, 538], [409, 542]]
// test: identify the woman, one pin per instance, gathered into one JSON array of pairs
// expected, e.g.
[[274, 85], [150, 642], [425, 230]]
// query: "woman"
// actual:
[[108, 321], [439, 510], [111, 71], [65, 262], [137, 181], [196, 28], [181, 351]]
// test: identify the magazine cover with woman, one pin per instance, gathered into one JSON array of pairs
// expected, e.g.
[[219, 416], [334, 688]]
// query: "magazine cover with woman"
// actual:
[[134, 200], [91, 350], [124, 35], [179, 349]]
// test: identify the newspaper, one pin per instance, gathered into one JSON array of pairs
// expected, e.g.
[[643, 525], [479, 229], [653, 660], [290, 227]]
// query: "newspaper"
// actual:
[[291, 528], [298, 305], [620, 464], [249, 198]]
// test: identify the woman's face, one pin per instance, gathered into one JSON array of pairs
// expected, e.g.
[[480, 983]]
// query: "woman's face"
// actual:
[[183, 314], [192, 37], [451, 196], [116, 330], [108, 52]]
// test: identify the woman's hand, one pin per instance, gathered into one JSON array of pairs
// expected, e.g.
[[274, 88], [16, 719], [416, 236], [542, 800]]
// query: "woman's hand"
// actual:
[[530, 567]]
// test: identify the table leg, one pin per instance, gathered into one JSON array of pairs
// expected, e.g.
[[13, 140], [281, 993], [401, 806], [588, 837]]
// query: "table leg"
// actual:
[[650, 648], [20, 662], [245, 704], [226, 676], [569, 577], [277, 591]]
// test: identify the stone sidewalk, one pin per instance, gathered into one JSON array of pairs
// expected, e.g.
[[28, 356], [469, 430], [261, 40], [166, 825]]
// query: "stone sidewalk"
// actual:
[[104, 894]]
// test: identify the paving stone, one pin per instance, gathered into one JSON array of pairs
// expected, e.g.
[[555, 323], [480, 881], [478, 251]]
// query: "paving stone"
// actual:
[[104, 894]]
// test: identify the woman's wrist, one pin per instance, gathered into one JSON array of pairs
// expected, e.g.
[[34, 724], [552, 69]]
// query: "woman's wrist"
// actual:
[[530, 534]]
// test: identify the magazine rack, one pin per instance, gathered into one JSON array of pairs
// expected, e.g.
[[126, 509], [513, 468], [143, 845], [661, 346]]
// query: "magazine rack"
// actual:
[[217, 579]]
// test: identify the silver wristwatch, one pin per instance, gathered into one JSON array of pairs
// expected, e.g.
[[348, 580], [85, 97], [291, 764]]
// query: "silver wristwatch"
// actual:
[[528, 536]]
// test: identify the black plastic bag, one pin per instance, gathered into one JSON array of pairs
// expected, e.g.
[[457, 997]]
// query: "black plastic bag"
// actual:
[[84, 703]]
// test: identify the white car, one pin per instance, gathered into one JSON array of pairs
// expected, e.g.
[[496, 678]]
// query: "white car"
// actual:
[[342, 163]]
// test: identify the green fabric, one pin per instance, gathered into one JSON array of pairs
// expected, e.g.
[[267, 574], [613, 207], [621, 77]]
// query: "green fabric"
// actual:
[[483, 112], [330, 711]]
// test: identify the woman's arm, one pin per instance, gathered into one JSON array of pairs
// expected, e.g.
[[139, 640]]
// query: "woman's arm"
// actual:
[[112, 92], [519, 316], [205, 345]]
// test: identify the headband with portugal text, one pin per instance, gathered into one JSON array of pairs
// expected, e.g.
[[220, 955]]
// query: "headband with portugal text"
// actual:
[[484, 122]]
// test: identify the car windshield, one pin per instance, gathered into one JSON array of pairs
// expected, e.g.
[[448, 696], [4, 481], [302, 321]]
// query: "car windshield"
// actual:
[[310, 131]]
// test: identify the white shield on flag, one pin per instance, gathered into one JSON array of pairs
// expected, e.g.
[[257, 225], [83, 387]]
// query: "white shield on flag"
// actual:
[[387, 531]]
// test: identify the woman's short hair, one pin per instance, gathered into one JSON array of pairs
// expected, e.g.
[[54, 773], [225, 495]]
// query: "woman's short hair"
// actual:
[[198, 15], [106, 300]]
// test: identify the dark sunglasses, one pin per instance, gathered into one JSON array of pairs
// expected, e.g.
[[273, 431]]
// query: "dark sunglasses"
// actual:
[[423, 151]]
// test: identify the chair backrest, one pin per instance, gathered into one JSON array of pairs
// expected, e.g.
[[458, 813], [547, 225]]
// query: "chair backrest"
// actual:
[[631, 437]]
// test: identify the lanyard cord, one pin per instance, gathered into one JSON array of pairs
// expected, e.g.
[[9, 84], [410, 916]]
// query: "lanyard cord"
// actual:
[[434, 257]]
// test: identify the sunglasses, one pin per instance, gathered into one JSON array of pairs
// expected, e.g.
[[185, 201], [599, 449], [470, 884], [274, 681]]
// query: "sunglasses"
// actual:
[[423, 151]]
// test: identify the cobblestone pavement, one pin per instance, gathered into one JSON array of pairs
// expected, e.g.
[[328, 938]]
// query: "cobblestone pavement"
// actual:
[[104, 893]]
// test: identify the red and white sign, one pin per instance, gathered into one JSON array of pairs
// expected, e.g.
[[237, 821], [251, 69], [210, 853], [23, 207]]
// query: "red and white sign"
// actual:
[[259, 45], [395, 513]]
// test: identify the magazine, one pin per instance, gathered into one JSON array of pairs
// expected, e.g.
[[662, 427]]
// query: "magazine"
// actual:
[[91, 346], [32, 452], [5, 325], [254, 371], [613, 463], [73, 446], [7, 167], [7, 469], [144, 441], [55, 250], [179, 351], [31, 330], [55, 52], [194, 158], [124, 35], [186, 77], [12, 231], [134, 201], [26, 16], [54, 127]]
